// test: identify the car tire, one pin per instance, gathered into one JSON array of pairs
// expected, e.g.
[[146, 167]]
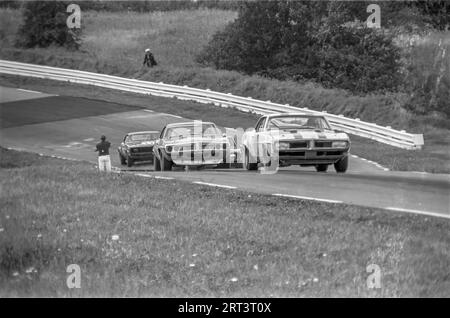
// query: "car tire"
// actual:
[[129, 162], [122, 159], [342, 165], [166, 165], [247, 164], [156, 164], [321, 168]]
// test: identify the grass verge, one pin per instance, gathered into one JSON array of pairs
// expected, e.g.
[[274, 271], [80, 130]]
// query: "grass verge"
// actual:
[[207, 242], [435, 157]]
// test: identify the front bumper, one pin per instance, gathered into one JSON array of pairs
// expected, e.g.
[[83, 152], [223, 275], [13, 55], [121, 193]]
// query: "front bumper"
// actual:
[[312, 156]]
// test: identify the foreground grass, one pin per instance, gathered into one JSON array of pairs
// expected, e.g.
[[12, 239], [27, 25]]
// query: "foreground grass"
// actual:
[[176, 239], [435, 157]]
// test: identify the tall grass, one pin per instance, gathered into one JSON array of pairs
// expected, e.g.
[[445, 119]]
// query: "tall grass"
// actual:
[[428, 72], [175, 38], [9, 24]]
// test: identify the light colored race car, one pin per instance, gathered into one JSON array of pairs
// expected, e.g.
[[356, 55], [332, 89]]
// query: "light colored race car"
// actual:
[[193, 143], [137, 146], [296, 139]]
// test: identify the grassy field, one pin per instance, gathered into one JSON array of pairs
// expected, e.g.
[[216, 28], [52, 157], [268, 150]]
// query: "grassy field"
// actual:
[[114, 43], [434, 158], [209, 242], [118, 40]]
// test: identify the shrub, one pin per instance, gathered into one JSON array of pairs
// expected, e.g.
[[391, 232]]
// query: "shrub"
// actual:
[[306, 40]]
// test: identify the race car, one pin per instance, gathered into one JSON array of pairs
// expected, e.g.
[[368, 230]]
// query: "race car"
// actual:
[[193, 143], [296, 139], [137, 146]]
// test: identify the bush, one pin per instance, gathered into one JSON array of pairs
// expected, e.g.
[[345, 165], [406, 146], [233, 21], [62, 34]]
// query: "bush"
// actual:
[[306, 40], [357, 58], [45, 24]]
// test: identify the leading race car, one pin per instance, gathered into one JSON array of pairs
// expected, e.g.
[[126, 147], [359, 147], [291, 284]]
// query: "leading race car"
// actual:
[[299, 139], [193, 143], [137, 146]]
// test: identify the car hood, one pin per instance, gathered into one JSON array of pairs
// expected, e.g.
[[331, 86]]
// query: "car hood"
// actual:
[[191, 140], [313, 135], [140, 143]]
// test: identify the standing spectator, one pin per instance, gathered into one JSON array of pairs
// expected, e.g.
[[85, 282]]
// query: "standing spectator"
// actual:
[[104, 160], [149, 59]]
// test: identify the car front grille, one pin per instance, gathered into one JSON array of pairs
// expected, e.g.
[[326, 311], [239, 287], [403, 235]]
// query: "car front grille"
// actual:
[[298, 144], [142, 149], [322, 144]]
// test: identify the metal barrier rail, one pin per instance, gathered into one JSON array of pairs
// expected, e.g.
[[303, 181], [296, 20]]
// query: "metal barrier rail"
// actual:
[[386, 135]]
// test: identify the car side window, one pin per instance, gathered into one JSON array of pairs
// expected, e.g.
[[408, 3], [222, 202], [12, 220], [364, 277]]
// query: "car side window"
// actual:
[[260, 125], [162, 133]]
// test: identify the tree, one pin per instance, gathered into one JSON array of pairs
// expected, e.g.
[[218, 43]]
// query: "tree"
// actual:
[[312, 40], [45, 24]]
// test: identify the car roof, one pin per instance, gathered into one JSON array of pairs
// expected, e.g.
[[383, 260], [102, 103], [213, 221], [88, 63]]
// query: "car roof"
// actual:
[[188, 123], [143, 132], [294, 114]]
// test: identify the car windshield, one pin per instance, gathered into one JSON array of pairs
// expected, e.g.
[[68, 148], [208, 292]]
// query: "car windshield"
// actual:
[[298, 122], [143, 137], [189, 131]]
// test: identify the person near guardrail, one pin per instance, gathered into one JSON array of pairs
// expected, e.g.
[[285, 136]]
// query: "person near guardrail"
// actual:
[[104, 160], [149, 59]]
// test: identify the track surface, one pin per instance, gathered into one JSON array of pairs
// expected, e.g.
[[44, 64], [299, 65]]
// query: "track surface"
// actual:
[[70, 127]]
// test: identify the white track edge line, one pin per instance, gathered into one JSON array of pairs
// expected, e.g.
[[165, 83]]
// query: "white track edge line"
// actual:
[[214, 185], [307, 198], [417, 212], [28, 90]]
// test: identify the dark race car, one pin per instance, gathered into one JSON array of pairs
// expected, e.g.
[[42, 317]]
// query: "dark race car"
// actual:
[[137, 146], [193, 143]]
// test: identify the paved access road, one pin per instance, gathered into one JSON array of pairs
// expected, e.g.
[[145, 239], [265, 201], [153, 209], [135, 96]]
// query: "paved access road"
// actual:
[[72, 126]]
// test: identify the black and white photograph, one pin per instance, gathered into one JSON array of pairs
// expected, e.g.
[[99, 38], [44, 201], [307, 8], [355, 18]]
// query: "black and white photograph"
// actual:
[[224, 154]]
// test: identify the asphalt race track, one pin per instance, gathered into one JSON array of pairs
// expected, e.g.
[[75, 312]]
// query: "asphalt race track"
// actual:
[[70, 127]]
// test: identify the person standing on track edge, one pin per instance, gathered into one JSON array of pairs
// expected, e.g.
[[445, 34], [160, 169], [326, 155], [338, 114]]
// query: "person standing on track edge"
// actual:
[[104, 160], [149, 59]]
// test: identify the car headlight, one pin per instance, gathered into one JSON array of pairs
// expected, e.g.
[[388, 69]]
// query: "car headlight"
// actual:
[[339, 144], [283, 145], [169, 148]]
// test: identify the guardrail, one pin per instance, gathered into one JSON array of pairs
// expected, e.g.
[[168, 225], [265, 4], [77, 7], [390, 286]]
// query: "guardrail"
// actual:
[[386, 135]]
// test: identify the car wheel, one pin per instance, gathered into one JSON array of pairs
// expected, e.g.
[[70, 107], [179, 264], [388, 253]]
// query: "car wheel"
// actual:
[[129, 162], [248, 165], [122, 159], [156, 164], [342, 165], [322, 168], [166, 165]]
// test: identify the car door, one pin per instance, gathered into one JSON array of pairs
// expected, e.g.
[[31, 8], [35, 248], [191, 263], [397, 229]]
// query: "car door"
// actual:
[[123, 146], [253, 142], [159, 143]]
